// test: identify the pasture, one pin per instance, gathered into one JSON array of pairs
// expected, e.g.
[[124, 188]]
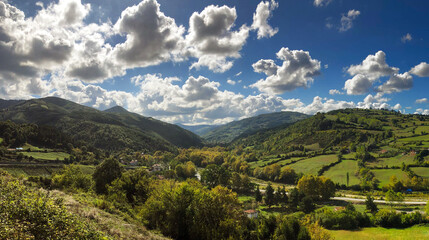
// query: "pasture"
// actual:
[[47, 155], [338, 173], [384, 175], [312, 165], [379, 233]]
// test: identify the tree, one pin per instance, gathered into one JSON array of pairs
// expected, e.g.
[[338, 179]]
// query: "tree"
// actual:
[[269, 195], [316, 187], [348, 178], [392, 197], [307, 205], [258, 195], [214, 175], [291, 228], [294, 198], [370, 204], [105, 173]]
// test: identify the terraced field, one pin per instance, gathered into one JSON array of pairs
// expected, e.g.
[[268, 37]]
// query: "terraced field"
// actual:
[[393, 161]]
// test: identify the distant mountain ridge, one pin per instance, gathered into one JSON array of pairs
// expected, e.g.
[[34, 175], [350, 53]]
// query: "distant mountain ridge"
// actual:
[[199, 129], [230, 131], [112, 129]]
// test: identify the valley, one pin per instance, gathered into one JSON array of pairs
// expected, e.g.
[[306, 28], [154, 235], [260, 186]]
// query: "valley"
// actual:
[[345, 173]]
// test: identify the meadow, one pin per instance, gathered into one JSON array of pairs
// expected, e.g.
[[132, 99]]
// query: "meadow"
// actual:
[[379, 233], [47, 155], [312, 165], [383, 175], [338, 173]]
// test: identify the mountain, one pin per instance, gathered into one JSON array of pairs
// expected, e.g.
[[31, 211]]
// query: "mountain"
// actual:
[[113, 129], [116, 109], [228, 132], [199, 129], [8, 103]]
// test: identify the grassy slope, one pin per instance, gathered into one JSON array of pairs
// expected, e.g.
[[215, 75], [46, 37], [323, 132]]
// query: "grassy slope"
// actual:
[[312, 165], [412, 233], [48, 155], [338, 173]]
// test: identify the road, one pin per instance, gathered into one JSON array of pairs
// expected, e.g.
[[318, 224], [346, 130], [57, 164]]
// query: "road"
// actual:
[[349, 199]]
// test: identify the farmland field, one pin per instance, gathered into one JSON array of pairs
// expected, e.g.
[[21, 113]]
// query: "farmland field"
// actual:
[[384, 175], [312, 165], [41, 170], [421, 129], [338, 172], [393, 161], [421, 171], [416, 232], [47, 156]]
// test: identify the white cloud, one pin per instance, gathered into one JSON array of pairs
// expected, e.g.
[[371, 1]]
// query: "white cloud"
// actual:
[[370, 71], [238, 74], [406, 38], [298, 70], [397, 83], [334, 91], [422, 111], [320, 3], [347, 20], [231, 82], [422, 100], [260, 19], [211, 39], [357, 85], [324, 105], [421, 70], [152, 37], [397, 106]]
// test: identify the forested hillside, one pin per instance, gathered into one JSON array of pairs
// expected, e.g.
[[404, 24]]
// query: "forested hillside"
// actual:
[[105, 130]]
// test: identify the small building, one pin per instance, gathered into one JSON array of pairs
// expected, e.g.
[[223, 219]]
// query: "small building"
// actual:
[[251, 213], [156, 168]]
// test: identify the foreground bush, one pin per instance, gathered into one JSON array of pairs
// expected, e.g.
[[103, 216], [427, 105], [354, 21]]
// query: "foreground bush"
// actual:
[[26, 213]]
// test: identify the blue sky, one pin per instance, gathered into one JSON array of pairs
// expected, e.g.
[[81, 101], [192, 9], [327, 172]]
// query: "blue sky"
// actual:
[[206, 62]]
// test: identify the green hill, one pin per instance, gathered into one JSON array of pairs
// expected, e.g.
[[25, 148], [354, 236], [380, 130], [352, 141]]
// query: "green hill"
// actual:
[[340, 128], [228, 132], [110, 130]]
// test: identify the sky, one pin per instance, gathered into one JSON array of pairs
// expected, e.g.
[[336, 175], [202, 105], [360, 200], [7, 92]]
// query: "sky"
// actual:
[[212, 62]]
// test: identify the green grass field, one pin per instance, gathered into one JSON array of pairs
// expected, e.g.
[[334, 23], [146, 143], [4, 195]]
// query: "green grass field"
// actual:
[[384, 175], [312, 165], [48, 155], [393, 161], [417, 138], [412, 233], [421, 129], [421, 171], [338, 172]]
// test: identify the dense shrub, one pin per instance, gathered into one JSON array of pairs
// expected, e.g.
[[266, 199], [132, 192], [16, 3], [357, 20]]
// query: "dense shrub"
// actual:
[[71, 177], [31, 214], [392, 219], [346, 219]]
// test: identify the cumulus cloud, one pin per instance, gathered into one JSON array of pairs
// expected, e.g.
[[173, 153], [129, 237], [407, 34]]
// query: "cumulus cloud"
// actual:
[[298, 70], [406, 38], [422, 111], [152, 37], [357, 85], [374, 67], [397, 83], [320, 3], [365, 74], [422, 100], [421, 70], [211, 38], [347, 20], [231, 82], [334, 91], [260, 19], [324, 105]]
